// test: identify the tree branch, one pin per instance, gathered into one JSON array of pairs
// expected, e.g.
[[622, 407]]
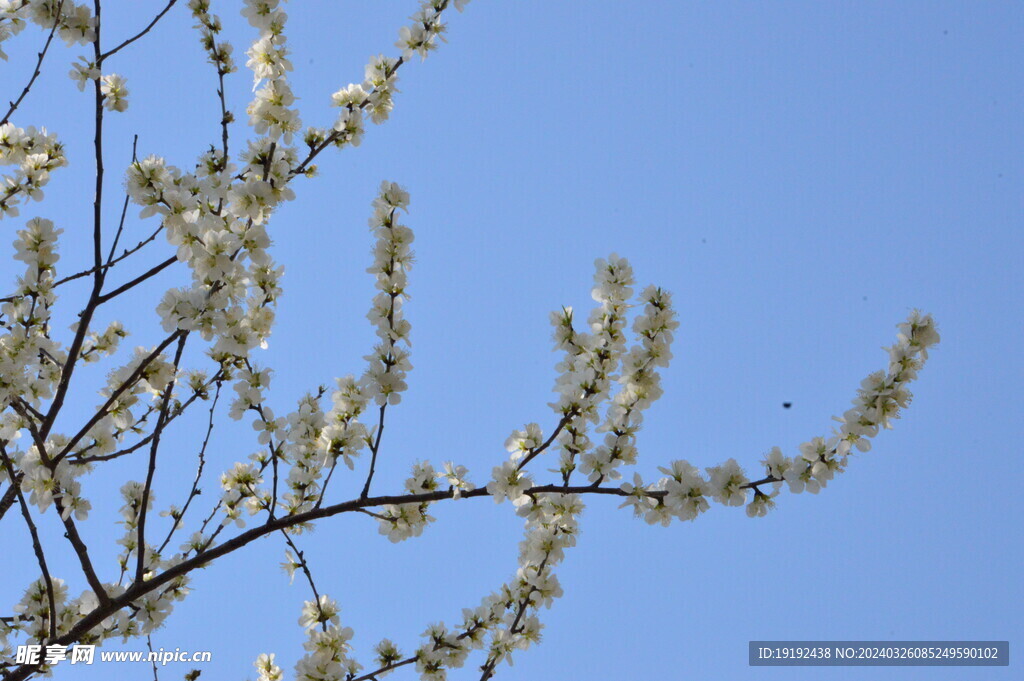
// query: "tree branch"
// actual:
[[151, 471], [116, 394], [37, 546], [148, 274], [129, 41], [39, 66], [194, 492]]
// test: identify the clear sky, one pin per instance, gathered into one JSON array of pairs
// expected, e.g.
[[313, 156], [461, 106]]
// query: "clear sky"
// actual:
[[799, 174]]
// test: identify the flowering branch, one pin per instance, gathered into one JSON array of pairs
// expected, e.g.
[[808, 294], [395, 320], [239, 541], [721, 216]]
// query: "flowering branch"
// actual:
[[215, 216]]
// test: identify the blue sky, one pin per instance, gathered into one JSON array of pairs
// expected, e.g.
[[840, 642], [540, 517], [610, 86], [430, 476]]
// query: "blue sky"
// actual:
[[800, 175]]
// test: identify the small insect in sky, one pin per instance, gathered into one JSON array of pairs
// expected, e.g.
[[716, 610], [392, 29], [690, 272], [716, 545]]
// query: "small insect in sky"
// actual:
[[787, 405]]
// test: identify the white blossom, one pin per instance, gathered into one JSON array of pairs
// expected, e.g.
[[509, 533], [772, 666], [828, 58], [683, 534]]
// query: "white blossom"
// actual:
[[115, 92]]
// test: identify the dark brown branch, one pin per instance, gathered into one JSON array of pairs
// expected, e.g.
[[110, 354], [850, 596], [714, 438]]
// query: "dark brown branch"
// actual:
[[194, 492], [39, 66], [25, 410], [135, 37], [10, 495], [113, 262], [102, 412], [148, 274], [151, 471], [547, 443], [82, 551], [372, 676], [139, 589], [37, 546], [309, 577], [28, 408], [225, 120], [124, 207], [178, 411], [149, 644], [85, 318], [98, 148], [374, 448]]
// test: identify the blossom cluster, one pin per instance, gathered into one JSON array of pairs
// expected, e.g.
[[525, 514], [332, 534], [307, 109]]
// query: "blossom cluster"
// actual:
[[215, 216], [303, 447], [242, 491], [35, 153], [684, 493], [327, 646], [271, 112], [29, 358], [209, 27], [590, 359], [33, 615], [309, 438], [115, 92], [639, 386], [392, 259], [113, 86], [375, 94], [132, 493], [344, 436], [235, 281], [593, 362], [47, 484], [511, 612], [153, 608], [72, 21]]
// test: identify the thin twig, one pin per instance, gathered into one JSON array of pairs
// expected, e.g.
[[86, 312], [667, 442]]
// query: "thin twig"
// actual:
[[37, 546], [128, 382], [151, 471], [309, 577], [194, 492], [85, 316], [138, 35], [116, 260], [124, 207], [39, 66], [148, 274], [149, 644]]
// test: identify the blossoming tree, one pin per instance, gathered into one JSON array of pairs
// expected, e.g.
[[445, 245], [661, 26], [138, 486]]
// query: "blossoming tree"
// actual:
[[217, 217]]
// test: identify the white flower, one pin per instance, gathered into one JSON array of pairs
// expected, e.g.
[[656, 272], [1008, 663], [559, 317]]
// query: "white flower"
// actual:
[[82, 71], [315, 613], [290, 565], [919, 332], [455, 476], [726, 484], [522, 442], [402, 521], [267, 669], [115, 92], [509, 483], [685, 490], [759, 507], [638, 498], [776, 464]]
